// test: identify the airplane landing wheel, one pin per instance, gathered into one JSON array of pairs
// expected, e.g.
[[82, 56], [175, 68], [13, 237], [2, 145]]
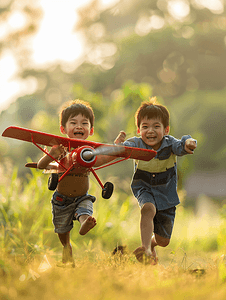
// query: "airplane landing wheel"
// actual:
[[107, 190], [53, 181]]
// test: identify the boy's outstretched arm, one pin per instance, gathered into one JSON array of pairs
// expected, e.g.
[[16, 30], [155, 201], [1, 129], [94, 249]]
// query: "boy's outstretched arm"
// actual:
[[120, 138], [190, 145], [55, 152], [104, 159]]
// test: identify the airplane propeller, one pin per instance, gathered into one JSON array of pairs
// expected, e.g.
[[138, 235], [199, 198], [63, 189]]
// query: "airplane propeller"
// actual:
[[89, 154]]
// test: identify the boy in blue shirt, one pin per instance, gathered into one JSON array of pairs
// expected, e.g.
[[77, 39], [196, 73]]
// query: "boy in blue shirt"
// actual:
[[154, 182]]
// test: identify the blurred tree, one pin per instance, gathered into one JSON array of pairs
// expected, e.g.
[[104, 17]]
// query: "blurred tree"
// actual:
[[174, 50], [176, 46], [19, 22]]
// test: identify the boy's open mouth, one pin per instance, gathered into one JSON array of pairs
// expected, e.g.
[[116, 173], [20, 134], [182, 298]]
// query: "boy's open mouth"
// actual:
[[78, 133]]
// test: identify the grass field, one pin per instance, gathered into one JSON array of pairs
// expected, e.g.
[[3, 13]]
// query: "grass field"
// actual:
[[193, 266], [99, 275]]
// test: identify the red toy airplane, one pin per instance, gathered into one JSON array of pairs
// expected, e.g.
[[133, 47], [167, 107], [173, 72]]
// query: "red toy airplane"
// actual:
[[84, 154]]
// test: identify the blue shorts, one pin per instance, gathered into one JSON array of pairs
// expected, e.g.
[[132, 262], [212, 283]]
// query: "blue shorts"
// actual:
[[163, 220], [67, 209]]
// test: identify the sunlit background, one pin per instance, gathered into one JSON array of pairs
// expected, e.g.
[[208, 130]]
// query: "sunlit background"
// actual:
[[54, 41], [115, 54]]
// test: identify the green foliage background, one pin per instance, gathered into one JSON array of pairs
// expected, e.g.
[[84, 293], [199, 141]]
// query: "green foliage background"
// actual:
[[127, 59], [26, 220]]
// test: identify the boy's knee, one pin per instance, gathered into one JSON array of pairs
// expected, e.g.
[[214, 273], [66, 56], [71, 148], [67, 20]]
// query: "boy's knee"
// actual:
[[148, 208], [163, 242]]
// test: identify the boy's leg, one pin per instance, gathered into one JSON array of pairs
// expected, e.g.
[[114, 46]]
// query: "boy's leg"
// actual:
[[148, 212], [67, 249], [164, 221], [146, 253], [87, 222], [84, 213], [158, 240]]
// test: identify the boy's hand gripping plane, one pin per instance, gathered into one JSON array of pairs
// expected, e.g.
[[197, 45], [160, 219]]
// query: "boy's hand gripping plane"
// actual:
[[82, 154]]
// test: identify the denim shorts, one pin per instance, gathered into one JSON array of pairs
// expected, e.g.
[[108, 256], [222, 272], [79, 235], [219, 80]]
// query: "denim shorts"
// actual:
[[163, 220], [67, 209]]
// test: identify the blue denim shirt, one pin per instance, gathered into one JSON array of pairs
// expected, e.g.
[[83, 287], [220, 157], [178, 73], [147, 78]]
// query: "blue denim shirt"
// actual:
[[159, 175]]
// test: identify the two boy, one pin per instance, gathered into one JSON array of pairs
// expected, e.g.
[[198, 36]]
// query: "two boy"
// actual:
[[153, 184]]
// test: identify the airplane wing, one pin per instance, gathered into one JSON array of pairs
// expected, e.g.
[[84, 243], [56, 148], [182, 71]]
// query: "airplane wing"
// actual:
[[137, 153], [51, 166], [47, 139]]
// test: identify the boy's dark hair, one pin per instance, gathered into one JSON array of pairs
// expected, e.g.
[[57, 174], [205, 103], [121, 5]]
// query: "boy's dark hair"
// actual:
[[151, 110], [73, 108]]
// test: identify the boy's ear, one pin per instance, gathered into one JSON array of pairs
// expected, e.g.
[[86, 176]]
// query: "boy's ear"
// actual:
[[91, 131], [62, 129], [138, 130], [167, 130]]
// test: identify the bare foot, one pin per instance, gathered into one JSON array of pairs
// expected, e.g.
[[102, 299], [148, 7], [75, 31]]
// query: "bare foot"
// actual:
[[143, 257], [154, 254], [139, 252], [88, 224], [153, 244], [67, 257]]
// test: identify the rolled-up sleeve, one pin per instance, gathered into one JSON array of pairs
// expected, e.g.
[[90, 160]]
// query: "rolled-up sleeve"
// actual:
[[133, 142], [178, 146]]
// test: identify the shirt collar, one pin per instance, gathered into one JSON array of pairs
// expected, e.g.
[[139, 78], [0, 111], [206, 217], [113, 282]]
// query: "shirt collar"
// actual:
[[165, 143]]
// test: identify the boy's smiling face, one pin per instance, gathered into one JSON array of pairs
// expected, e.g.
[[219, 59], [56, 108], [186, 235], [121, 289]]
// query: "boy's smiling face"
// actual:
[[152, 132], [77, 127]]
